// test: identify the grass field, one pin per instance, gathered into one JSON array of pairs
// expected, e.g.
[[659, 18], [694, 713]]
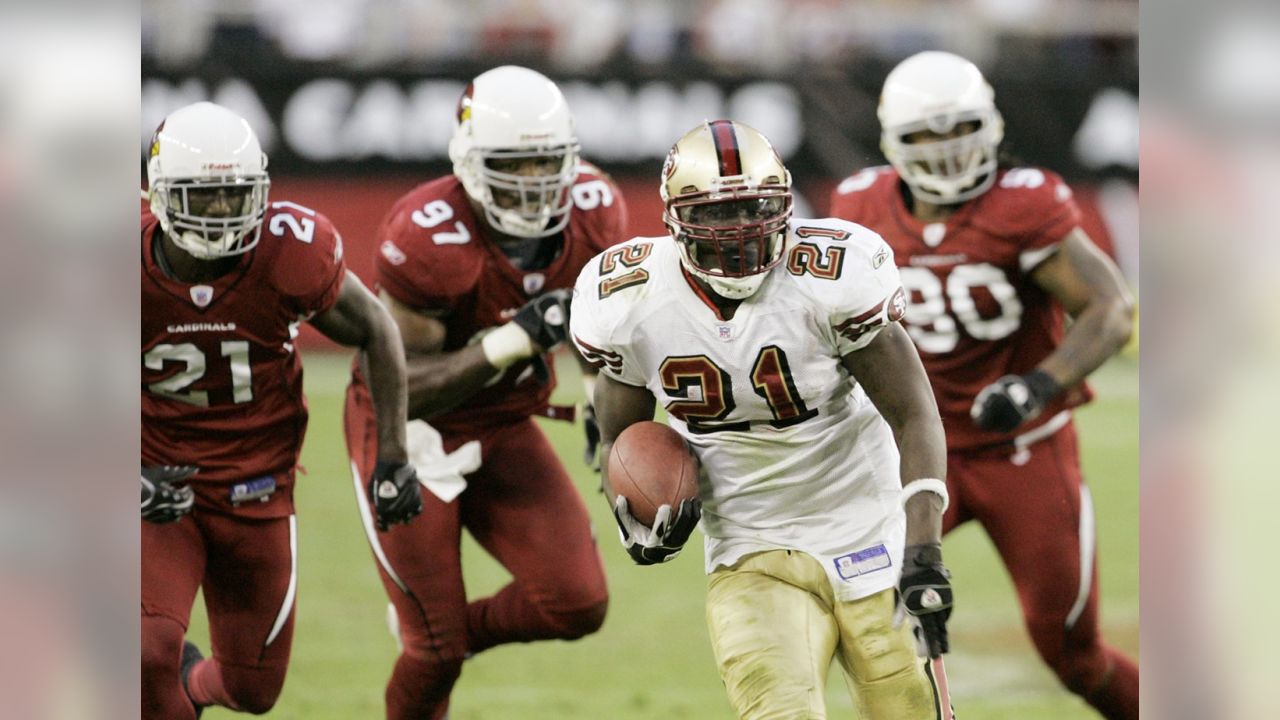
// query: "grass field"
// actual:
[[652, 659]]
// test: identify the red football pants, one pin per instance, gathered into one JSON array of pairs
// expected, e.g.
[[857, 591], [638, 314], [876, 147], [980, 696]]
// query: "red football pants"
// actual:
[[522, 507], [246, 568], [1040, 518]]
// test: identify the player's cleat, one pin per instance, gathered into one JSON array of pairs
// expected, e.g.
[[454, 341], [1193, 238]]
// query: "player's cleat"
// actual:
[[190, 656]]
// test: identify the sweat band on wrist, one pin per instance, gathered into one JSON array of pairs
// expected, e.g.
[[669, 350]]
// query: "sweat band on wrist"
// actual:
[[933, 485], [505, 345]]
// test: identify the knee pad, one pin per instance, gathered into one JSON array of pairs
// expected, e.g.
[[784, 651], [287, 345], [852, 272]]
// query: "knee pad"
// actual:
[[253, 690], [1082, 670], [574, 624], [1079, 662], [872, 648], [161, 645], [421, 685]]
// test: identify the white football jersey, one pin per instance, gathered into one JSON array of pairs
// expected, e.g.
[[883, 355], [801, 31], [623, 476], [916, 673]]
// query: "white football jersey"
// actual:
[[793, 453]]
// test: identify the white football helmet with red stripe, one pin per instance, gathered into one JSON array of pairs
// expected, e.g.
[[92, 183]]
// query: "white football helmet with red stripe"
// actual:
[[515, 151], [728, 199], [941, 94]]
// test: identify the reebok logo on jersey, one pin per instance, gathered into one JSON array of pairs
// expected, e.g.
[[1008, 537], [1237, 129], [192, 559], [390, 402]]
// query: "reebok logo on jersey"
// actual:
[[878, 259]]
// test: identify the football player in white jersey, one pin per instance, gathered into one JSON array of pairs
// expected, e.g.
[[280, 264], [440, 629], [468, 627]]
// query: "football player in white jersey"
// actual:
[[773, 344]]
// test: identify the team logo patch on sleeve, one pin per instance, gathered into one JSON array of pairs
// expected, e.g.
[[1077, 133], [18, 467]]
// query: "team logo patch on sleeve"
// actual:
[[862, 562], [897, 305]]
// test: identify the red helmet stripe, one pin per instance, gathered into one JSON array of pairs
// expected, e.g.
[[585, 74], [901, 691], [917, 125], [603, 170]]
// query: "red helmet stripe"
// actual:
[[726, 141]]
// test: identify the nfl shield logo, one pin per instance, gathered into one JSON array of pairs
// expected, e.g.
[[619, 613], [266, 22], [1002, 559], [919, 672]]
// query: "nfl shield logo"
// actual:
[[533, 283], [201, 295], [724, 332]]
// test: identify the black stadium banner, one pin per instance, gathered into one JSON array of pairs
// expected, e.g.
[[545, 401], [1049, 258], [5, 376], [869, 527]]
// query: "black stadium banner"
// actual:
[[330, 119]]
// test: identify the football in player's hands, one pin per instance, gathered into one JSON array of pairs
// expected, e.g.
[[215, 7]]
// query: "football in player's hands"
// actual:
[[651, 466], [546, 318]]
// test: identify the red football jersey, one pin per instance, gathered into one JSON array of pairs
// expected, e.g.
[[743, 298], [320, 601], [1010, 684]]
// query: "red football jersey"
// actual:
[[974, 312], [221, 380], [432, 256]]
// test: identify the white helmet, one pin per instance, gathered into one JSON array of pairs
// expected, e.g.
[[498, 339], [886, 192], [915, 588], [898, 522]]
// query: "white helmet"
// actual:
[[728, 201], [198, 150], [512, 113], [936, 91]]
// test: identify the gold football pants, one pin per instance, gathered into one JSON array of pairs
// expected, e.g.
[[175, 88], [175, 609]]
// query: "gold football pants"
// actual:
[[775, 626]]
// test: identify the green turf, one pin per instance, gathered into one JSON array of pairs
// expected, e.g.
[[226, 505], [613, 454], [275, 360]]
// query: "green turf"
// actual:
[[652, 658]]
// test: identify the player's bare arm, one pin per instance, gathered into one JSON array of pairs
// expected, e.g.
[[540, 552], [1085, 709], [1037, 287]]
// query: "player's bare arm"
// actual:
[[618, 406], [357, 319], [437, 381], [889, 370], [1090, 288], [1092, 291]]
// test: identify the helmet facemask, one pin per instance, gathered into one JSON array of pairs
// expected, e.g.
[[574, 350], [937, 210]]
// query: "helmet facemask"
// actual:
[[212, 218], [731, 237], [951, 169], [524, 192]]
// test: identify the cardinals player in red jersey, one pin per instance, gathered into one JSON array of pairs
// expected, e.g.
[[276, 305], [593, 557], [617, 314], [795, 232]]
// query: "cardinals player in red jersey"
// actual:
[[477, 268], [991, 257], [226, 279]]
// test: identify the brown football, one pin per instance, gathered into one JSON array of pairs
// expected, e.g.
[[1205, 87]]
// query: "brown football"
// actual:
[[651, 466]]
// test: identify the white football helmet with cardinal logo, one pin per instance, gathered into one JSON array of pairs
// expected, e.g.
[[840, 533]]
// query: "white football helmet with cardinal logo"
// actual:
[[512, 117], [201, 150]]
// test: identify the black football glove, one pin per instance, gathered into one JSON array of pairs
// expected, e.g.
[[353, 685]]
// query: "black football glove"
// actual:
[[663, 542], [925, 593], [1012, 400], [164, 499], [592, 429], [394, 493], [546, 318]]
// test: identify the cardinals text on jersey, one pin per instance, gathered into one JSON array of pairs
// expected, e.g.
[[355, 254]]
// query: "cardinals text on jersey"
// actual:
[[221, 381]]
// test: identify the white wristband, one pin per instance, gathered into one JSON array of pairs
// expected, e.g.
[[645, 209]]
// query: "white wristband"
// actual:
[[933, 485], [506, 344]]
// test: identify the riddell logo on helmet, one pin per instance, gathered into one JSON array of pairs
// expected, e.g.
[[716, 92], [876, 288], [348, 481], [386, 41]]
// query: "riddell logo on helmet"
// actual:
[[218, 166], [538, 136]]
